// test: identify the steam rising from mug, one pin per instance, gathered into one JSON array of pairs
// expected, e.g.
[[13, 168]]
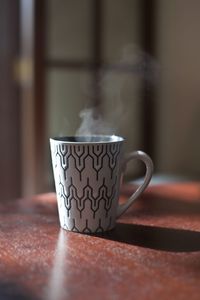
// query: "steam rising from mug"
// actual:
[[133, 64], [91, 124]]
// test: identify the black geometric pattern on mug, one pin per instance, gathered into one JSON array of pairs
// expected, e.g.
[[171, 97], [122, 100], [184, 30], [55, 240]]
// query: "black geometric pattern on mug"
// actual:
[[101, 229], [87, 229], [81, 152], [70, 194]]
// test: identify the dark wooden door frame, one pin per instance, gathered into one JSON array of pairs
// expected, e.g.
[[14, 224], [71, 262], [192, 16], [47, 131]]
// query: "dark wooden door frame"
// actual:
[[10, 162], [41, 138], [148, 117]]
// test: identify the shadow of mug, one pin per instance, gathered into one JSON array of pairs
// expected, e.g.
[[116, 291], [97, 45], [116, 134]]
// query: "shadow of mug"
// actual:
[[159, 238]]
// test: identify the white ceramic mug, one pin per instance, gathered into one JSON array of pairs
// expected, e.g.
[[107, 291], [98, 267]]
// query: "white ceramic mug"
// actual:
[[87, 173]]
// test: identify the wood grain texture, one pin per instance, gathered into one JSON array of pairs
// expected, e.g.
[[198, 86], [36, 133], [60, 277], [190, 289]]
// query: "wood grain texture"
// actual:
[[154, 252]]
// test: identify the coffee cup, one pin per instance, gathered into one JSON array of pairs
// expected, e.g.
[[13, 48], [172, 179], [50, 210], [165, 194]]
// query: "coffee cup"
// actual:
[[87, 173]]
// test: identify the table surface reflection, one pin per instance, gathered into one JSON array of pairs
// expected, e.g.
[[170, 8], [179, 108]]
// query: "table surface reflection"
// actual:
[[153, 253]]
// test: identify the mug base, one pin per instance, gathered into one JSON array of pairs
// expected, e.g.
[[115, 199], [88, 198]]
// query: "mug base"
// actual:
[[87, 231]]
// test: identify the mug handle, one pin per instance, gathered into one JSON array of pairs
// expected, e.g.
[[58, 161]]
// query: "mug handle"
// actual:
[[149, 172]]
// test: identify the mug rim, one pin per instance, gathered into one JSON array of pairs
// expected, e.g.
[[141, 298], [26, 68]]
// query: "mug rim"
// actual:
[[87, 139]]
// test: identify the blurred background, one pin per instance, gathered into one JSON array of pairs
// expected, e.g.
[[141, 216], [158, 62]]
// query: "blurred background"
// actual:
[[135, 62]]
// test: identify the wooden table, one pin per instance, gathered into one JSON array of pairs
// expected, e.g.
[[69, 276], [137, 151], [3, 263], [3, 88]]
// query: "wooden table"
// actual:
[[154, 252]]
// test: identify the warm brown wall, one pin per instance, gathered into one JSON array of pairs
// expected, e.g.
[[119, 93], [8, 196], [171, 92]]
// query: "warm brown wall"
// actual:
[[178, 101]]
